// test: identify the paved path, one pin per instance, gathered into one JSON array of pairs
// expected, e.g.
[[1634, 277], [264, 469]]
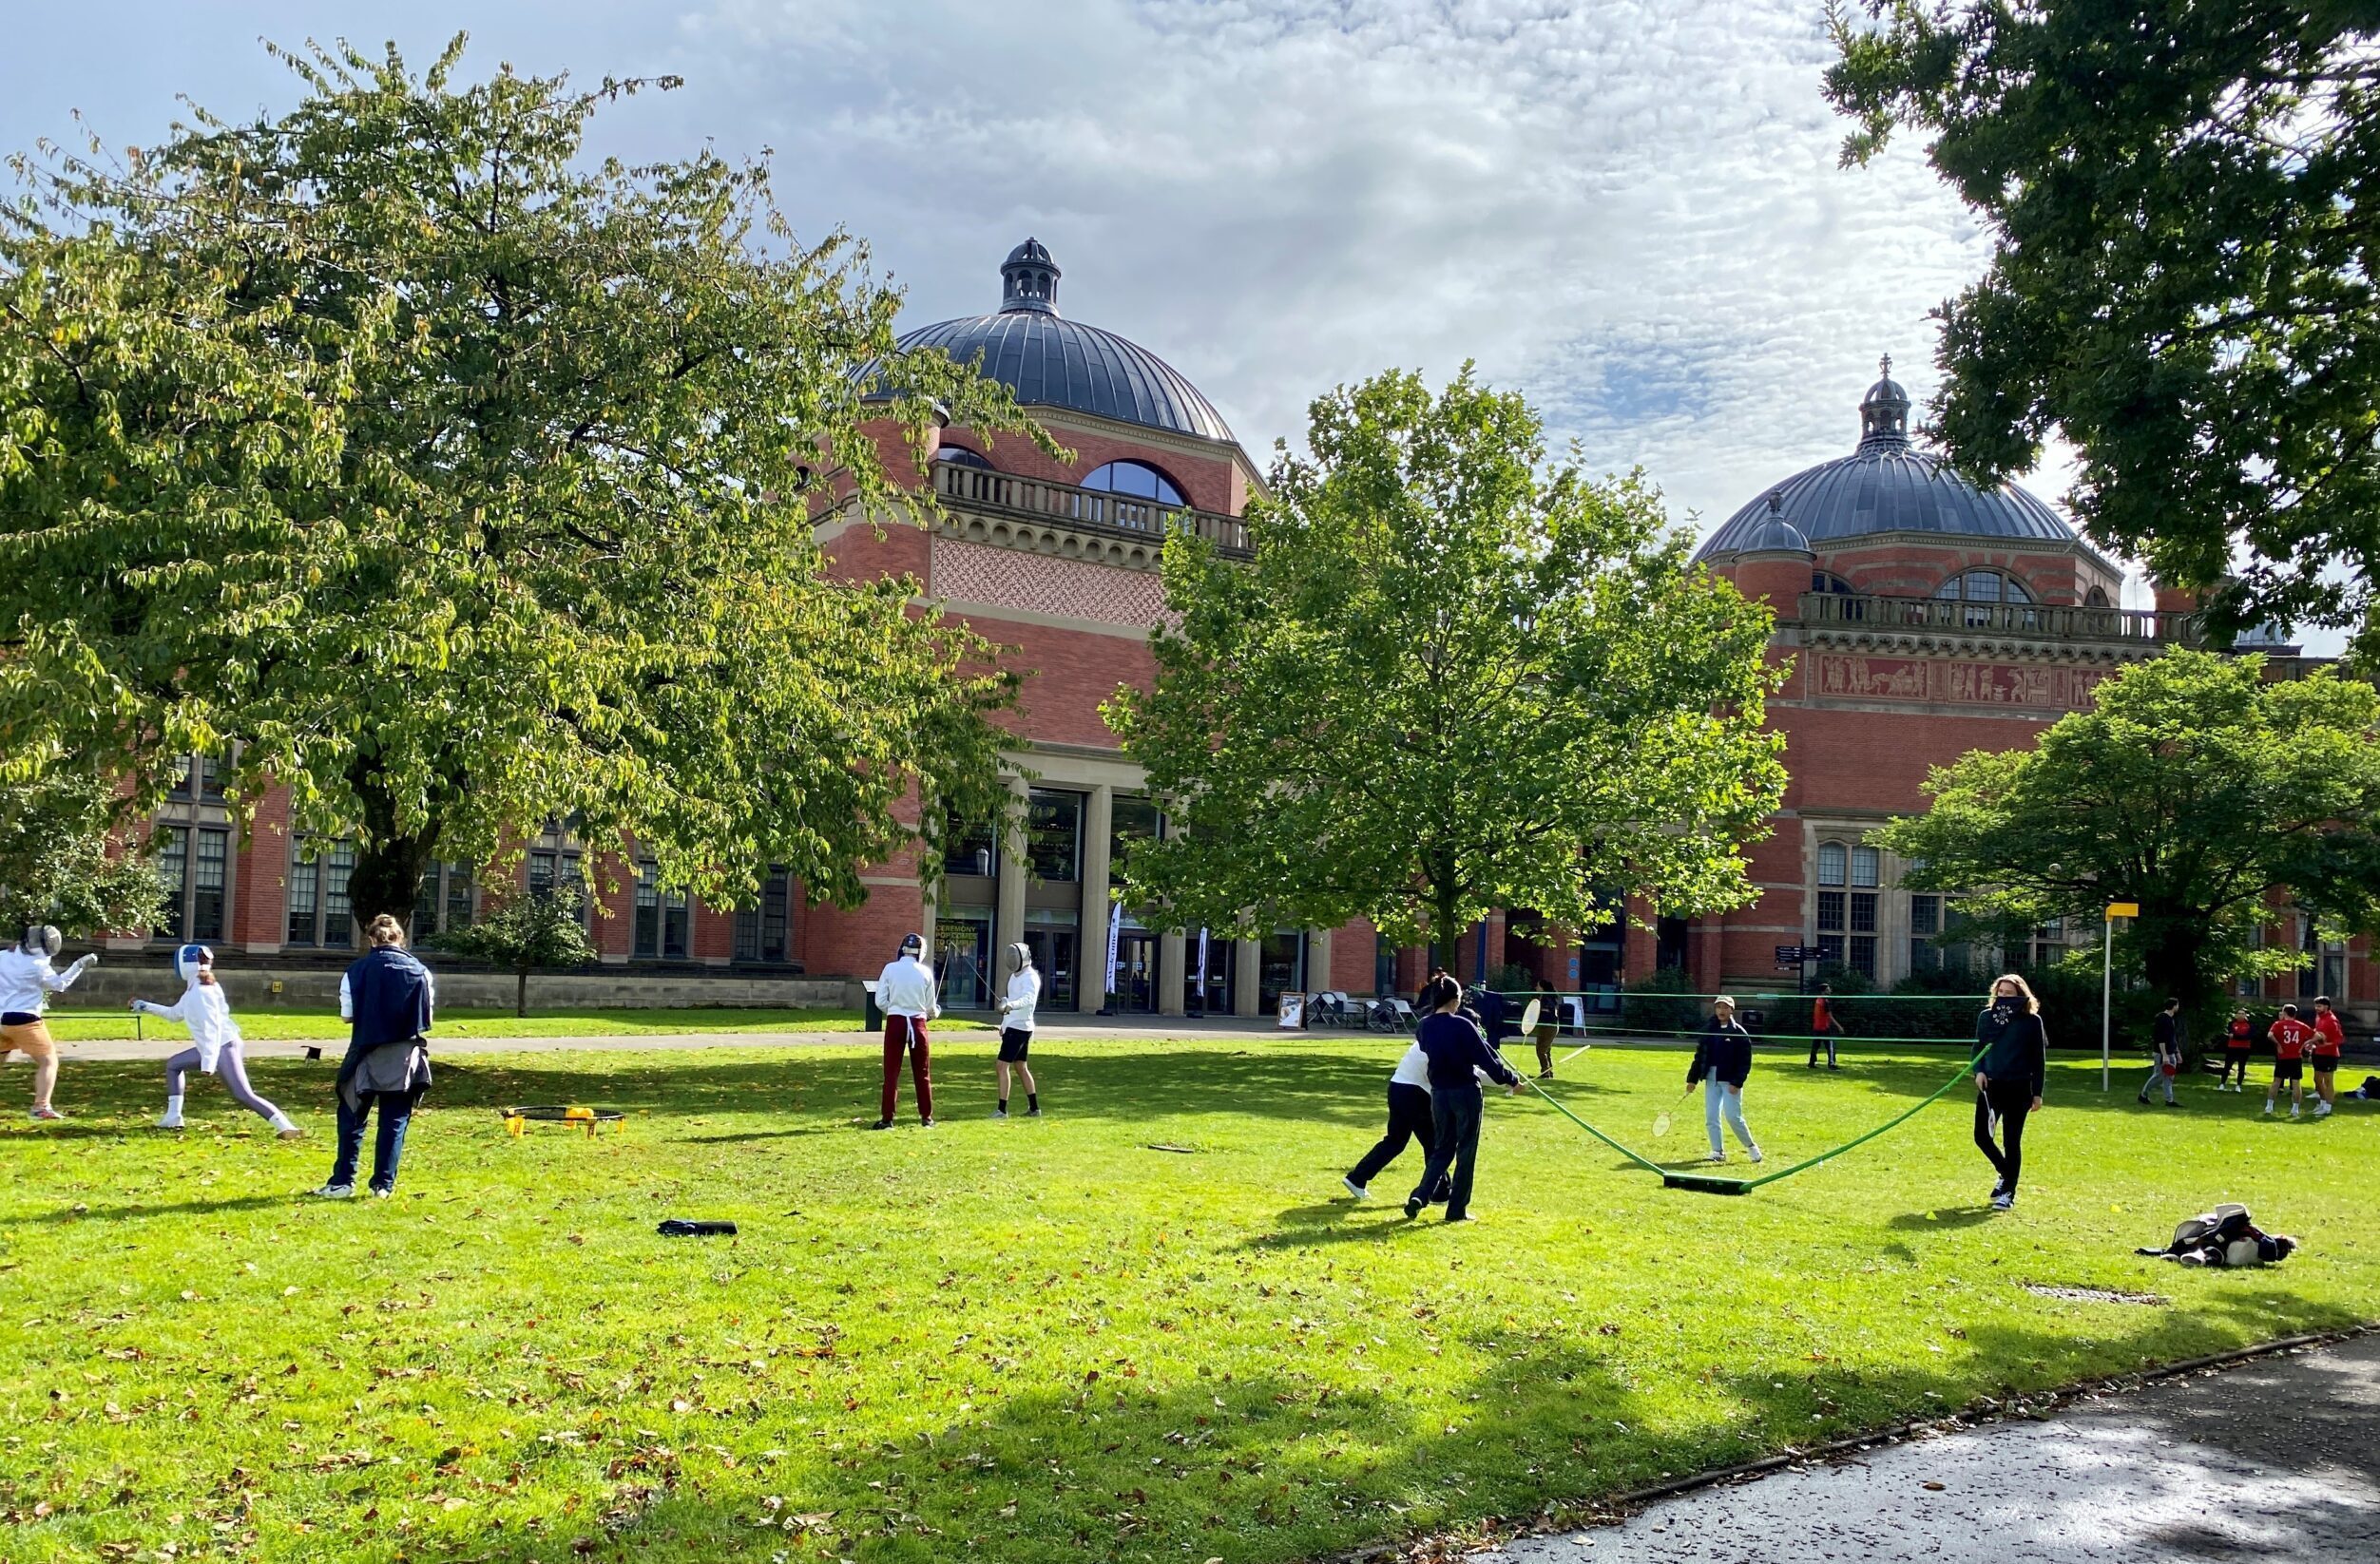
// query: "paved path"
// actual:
[[2275, 1460], [1109, 1030]]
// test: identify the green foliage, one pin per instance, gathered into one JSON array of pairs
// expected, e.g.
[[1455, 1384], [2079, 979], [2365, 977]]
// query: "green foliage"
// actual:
[[523, 1341], [465, 487], [1662, 1001], [60, 861], [1512, 978], [525, 934], [2194, 787], [2183, 285], [1455, 678]]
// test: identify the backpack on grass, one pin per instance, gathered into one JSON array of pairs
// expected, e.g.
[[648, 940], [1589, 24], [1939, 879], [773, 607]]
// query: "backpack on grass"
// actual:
[[2224, 1236]]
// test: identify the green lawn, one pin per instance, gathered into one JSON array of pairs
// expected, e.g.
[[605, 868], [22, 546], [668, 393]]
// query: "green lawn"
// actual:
[[299, 1024], [1042, 1339]]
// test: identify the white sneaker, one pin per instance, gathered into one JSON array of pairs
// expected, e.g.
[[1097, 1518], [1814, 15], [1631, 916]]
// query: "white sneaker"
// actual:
[[2321, 1109], [46, 1116], [287, 1131], [336, 1191], [171, 1122], [1754, 1154], [1355, 1189], [2267, 1108], [2002, 1200], [1718, 1157], [1000, 1113], [2293, 1109]]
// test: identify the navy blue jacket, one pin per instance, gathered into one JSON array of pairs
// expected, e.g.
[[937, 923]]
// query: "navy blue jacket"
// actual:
[[1724, 1049], [391, 994], [1493, 1009], [1453, 1045], [2015, 1047]]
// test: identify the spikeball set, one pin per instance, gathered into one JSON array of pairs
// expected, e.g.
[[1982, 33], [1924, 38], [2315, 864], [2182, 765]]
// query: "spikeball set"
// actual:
[[1720, 1184], [517, 1120]]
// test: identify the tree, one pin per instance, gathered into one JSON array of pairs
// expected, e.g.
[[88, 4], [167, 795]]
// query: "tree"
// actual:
[[539, 931], [2195, 787], [64, 861], [1454, 678], [463, 489], [2184, 279]]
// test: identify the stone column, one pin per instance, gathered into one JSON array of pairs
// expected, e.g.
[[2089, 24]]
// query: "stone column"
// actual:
[[1007, 918], [1099, 820], [1247, 967], [1173, 950]]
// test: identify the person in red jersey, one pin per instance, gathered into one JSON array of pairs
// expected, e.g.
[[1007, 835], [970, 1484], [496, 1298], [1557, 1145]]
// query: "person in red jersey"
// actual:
[[2290, 1038], [2329, 1039]]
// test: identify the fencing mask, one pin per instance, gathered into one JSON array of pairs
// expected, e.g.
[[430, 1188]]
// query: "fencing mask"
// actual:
[[1022, 955], [189, 959], [912, 944], [40, 940]]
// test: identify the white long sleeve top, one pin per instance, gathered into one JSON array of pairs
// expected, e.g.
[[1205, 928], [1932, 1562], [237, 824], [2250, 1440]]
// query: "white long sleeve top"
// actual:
[[1023, 994], [207, 1013], [906, 988], [1413, 1069], [27, 980]]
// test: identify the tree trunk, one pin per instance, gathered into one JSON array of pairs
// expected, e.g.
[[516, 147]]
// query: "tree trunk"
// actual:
[[389, 864], [520, 993], [2171, 958]]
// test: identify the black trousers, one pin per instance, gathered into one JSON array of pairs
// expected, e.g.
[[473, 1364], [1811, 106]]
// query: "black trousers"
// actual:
[[2011, 1101], [1455, 1113], [1408, 1120]]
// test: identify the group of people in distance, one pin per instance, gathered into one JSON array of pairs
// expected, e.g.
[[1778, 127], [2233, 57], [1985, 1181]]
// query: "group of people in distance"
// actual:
[[2297, 1045], [1434, 1095]]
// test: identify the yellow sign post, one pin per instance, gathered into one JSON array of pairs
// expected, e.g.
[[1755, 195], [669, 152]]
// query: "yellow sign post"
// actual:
[[2107, 983]]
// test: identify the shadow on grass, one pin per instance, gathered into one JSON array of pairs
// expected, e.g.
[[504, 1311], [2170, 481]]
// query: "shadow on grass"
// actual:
[[180, 1208], [1941, 1219]]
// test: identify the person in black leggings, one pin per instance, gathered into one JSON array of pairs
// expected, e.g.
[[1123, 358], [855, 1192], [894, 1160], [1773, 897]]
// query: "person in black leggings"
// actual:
[[1458, 1056], [2013, 1060]]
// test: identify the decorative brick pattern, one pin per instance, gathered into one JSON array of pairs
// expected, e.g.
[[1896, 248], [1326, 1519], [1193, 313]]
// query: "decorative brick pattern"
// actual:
[[1039, 583]]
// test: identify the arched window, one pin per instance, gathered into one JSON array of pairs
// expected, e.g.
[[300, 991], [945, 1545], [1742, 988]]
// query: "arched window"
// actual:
[[2096, 598], [1137, 479], [1983, 587], [1826, 580], [960, 456]]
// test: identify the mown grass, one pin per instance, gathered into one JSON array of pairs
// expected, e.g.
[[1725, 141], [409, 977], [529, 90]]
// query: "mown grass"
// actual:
[[1042, 1339], [262, 1024]]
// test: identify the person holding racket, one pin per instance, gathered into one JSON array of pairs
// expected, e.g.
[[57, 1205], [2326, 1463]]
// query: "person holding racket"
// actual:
[[2011, 1066], [1722, 1063], [1824, 1028]]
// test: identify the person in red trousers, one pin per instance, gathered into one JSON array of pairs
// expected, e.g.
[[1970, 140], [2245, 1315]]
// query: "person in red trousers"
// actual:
[[905, 993]]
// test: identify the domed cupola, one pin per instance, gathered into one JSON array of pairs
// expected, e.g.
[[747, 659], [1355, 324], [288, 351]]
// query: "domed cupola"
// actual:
[[1774, 534], [1886, 485], [1029, 280], [1050, 362], [1883, 412]]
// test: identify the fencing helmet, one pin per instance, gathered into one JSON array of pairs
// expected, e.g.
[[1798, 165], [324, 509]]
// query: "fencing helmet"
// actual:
[[189, 959], [1022, 954], [912, 944], [40, 940]]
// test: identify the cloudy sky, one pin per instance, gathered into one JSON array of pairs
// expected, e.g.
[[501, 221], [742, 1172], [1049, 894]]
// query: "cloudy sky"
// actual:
[[1630, 210]]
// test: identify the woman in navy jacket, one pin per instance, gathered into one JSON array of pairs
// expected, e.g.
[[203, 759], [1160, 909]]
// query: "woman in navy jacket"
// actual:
[[389, 998], [1458, 1056], [1722, 1063]]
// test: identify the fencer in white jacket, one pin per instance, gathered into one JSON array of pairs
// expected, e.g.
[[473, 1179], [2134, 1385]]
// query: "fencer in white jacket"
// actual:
[[215, 1042]]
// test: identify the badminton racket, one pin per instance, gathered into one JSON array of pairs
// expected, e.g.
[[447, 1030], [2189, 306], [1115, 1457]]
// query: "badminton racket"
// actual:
[[1661, 1120]]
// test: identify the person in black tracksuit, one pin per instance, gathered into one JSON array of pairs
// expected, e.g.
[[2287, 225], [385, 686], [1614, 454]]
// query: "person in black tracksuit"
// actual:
[[1456, 1048], [2010, 1070]]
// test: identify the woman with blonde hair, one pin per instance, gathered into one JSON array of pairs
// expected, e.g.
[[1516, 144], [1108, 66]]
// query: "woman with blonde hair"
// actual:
[[2012, 1060], [388, 999]]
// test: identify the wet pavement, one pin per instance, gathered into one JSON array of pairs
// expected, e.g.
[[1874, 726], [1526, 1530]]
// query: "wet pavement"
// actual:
[[2277, 1459]]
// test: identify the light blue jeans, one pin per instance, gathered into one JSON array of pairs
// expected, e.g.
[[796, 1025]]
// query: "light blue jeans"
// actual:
[[1718, 1098]]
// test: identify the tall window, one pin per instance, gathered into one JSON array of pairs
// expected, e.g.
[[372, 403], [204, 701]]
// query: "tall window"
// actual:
[[969, 849], [1053, 835], [1924, 922], [763, 932], [1847, 904], [1133, 820], [1137, 479], [2047, 944], [557, 867], [195, 863], [444, 901], [663, 917], [173, 867], [320, 912], [959, 456]]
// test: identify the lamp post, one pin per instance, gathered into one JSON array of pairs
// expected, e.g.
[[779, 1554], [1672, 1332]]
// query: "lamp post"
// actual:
[[2107, 983]]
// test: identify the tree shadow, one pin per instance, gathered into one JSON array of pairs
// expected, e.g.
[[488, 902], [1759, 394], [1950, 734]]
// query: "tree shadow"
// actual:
[[1941, 1219], [180, 1208]]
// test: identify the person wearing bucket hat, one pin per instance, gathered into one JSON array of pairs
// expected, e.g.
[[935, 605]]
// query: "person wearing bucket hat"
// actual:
[[905, 993], [1722, 1063], [215, 1042], [1016, 1029], [27, 980]]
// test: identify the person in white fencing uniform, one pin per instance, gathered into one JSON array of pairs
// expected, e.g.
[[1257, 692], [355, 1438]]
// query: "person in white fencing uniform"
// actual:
[[1016, 1030], [27, 980], [215, 1042], [905, 992]]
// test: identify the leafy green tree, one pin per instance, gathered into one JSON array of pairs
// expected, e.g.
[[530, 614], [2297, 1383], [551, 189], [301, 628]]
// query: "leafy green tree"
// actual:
[[1454, 678], [2193, 787], [2184, 280], [64, 861], [463, 487], [537, 932]]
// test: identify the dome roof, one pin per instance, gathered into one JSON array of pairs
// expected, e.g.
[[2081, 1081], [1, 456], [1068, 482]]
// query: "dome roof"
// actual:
[[1886, 485], [1050, 362], [1772, 533]]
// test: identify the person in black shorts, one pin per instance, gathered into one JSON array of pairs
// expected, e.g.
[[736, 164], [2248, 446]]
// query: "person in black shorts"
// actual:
[[1016, 1030]]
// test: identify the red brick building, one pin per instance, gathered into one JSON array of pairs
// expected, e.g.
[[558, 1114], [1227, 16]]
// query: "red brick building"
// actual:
[[1922, 618]]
